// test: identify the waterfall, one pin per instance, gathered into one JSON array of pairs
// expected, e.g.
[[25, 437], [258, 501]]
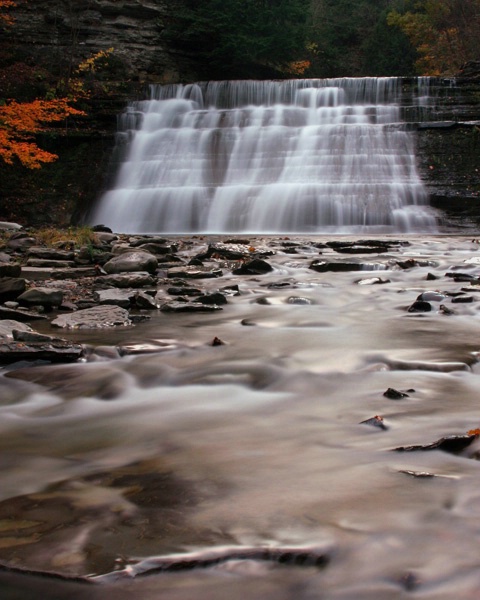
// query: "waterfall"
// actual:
[[305, 156]]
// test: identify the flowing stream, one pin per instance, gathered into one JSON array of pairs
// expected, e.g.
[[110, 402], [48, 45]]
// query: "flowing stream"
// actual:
[[175, 445], [304, 156]]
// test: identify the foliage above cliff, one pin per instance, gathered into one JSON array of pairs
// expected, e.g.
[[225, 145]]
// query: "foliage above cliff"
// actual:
[[445, 33]]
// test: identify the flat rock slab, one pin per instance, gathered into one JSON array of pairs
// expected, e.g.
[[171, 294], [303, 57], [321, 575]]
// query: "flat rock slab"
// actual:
[[50, 253], [189, 307], [194, 273], [98, 317], [18, 314], [127, 280], [53, 351]]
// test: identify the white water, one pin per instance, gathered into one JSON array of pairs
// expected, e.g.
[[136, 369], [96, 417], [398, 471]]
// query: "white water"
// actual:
[[267, 157]]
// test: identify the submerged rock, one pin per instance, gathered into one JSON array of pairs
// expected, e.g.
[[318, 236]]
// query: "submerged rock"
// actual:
[[375, 421], [189, 307], [393, 394], [453, 444]]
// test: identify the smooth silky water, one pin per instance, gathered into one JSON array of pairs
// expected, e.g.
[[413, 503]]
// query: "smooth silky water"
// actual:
[[329, 155], [258, 442]]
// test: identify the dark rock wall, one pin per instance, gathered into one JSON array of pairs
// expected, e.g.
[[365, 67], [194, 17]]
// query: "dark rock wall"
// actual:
[[448, 151], [68, 31]]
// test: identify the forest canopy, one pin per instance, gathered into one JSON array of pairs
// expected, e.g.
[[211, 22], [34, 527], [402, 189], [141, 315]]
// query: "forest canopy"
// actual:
[[328, 38]]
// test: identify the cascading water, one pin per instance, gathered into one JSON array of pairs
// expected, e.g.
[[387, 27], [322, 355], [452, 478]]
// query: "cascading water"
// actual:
[[305, 156]]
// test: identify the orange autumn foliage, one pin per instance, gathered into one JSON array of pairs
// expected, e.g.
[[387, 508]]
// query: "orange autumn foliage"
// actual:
[[20, 121], [5, 4]]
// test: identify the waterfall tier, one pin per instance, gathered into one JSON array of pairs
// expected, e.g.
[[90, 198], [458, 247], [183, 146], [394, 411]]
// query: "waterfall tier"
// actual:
[[305, 156]]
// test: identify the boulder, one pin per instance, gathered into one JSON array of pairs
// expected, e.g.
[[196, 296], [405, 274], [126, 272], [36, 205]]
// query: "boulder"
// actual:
[[11, 288], [131, 262], [47, 297]]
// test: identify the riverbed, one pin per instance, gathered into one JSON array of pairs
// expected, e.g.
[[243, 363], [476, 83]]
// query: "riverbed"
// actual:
[[180, 446]]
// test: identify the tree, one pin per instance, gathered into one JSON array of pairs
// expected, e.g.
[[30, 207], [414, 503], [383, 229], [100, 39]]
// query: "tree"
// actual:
[[20, 121], [234, 38], [351, 38], [445, 33]]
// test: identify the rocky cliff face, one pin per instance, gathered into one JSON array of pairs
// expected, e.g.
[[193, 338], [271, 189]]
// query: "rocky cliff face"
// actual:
[[68, 31], [448, 149]]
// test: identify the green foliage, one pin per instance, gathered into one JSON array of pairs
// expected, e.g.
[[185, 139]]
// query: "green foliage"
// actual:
[[233, 37], [353, 39]]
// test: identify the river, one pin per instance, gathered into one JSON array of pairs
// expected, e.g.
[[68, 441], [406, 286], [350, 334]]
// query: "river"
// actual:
[[181, 446]]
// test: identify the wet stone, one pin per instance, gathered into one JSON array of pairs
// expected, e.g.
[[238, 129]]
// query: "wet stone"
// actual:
[[50, 264], [324, 266], [115, 297], [372, 281], [184, 291], [431, 297], [155, 248], [445, 310], [8, 326], [393, 394], [23, 315], [189, 307], [145, 301], [215, 298], [50, 254], [10, 270], [136, 261], [53, 351], [126, 280], [420, 307], [462, 300], [453, 444], [98, 317], [194, 273], [254, 267], [298, 300], [375, 421], [47, 297], [11, 288]]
